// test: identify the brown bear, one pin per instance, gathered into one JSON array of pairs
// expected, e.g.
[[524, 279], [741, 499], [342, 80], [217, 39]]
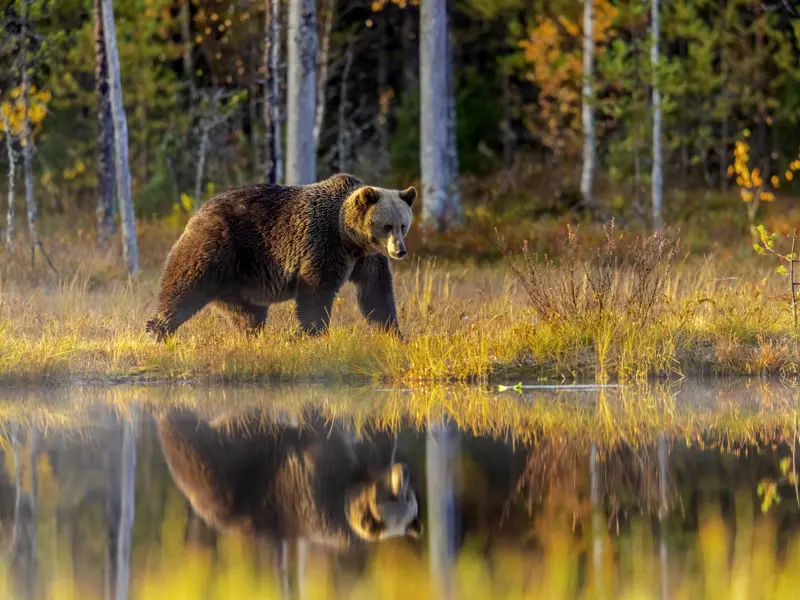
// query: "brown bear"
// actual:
[[279, 481], [257, 245]]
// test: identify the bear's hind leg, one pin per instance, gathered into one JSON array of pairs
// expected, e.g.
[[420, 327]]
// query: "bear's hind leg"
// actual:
[[173, 311], [243, 315]]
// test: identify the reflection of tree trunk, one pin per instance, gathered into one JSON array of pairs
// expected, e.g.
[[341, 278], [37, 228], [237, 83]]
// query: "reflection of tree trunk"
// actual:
[[120, 505], [23, 534], [441, 454], [662, 512], [12, 163], [105, 134], [292, 558], [597, 517]]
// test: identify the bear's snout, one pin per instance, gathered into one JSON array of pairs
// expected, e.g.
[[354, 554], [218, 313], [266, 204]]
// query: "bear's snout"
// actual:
[[396, 247]]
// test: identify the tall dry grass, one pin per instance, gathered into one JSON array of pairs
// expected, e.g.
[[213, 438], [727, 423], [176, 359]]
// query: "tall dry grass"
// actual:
[[630, 315]]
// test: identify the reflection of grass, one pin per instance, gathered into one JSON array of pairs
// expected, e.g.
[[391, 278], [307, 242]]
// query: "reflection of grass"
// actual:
[[560, 565], [463, 323], [631, 414]]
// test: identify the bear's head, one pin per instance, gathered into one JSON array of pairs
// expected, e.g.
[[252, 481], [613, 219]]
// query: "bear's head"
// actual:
[[377, 219], [385, 507]]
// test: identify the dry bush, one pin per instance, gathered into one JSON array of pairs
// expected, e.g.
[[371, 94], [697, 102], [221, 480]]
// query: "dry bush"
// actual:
[[611, 279]]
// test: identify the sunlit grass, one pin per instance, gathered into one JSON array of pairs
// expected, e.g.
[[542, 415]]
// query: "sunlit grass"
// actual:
[[630, 415], [463, 323]]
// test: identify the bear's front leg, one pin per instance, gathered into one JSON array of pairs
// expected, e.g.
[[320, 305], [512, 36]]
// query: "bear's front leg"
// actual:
[[314, 308], [372, 277]]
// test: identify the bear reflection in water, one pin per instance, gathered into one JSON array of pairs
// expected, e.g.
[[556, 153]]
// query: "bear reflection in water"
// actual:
[[280, 481]]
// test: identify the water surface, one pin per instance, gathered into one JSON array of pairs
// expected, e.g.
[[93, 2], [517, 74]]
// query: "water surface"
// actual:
[[666, 491]]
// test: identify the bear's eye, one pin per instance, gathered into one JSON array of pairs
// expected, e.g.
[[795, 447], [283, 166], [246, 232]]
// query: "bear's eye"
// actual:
[[387, 228]]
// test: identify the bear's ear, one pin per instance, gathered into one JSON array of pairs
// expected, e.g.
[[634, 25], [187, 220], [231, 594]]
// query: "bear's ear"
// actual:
[[367, 196], [408, 195]]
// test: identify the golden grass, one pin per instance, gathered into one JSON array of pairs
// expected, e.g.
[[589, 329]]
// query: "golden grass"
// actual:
[[463, 323], [608, 415]]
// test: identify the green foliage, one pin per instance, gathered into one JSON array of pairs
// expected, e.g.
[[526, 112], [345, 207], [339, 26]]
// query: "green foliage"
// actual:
[[478, 116], [766, 247]]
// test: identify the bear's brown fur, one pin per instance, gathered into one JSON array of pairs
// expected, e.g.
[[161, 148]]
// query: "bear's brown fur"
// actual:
[[279, 481], [257, 245]]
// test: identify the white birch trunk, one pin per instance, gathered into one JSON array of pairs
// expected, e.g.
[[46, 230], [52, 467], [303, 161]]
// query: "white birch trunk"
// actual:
[[27, 141], [12, 164], [273, 165], [122, 170], [324, 65], [587, 112], [657, 176], [301, 167], [434, 113], [105, 134]]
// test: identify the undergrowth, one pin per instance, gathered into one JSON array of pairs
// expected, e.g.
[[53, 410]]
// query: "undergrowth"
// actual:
[[624, 309]]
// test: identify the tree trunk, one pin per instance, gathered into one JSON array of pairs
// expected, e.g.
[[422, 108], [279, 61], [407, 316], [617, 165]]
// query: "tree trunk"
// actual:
[[186, 35], [273, 167], [343, 137], [255, 138], [105, 136], [657, 176], [410, 58], [122, 171], [384, 97], [201, 168], [324, 64], [301, 167], [454, 183], [587, 109], [434, 110], [27, 140], [505, 124], [12, 164]]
